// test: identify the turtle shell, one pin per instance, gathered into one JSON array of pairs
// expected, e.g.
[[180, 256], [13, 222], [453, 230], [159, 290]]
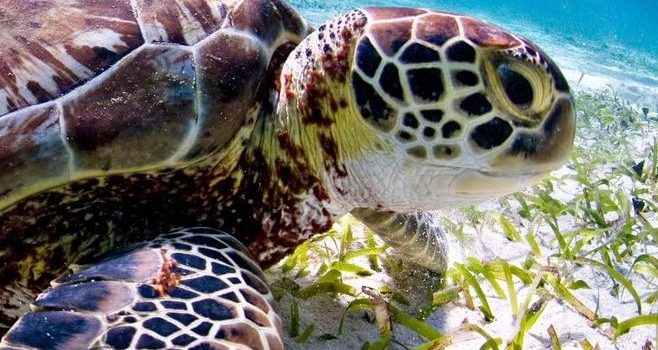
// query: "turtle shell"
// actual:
[[96, 87]]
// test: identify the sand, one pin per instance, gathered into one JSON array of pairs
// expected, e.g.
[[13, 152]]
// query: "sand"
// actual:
[[325, 312]]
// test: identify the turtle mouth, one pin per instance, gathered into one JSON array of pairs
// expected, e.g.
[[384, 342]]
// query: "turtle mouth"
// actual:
[[496, 182], [475, 184], [512, 174]]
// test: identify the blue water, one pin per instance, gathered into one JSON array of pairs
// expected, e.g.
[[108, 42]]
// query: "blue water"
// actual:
[[606, 37]]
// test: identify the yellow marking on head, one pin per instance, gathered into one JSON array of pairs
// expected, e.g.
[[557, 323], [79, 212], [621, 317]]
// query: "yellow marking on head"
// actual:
[[342, 133], [317, 109]]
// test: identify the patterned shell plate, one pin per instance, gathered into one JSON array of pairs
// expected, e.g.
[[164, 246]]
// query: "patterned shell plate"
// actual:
[[89, 87]]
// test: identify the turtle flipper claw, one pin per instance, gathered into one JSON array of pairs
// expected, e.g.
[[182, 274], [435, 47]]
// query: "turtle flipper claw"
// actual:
[[194, 288]]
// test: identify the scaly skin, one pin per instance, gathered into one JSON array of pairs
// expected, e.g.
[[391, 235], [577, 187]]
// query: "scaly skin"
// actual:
[[93, 166], [336, 158], [380, 112]]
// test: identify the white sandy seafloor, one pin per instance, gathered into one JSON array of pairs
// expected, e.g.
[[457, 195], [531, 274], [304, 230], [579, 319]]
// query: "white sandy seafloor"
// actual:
[[488, 243]]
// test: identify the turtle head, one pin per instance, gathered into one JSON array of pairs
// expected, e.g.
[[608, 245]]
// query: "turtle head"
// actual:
[[425, 109]]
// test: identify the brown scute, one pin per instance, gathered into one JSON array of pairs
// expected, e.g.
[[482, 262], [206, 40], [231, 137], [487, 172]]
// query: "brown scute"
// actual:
[[437, 28], [390, 36], [90, 57], [383, 13], [136, 116], [292, 21], [38, 51], [266, 19], [31, 150], [487, 35], [38, 91], [230, 68], [97, 57], [119, 9], [43, 36], [259, 17], [179, 21], [208, 18]]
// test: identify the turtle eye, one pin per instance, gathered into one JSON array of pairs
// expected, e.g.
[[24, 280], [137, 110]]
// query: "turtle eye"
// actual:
[[517, 87]]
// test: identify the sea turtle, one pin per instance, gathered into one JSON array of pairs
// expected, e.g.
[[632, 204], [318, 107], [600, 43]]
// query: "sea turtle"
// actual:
[[121, 120]]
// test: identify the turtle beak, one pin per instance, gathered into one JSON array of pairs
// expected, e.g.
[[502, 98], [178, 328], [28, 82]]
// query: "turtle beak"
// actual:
[[545, 149], [483, 183], [474, 185]]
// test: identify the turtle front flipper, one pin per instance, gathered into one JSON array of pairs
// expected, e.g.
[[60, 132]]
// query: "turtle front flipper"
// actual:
[[412, 236], [193, 288]]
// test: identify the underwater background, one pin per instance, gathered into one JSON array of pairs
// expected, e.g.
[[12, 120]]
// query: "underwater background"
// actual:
[[571, 263], [617, 40]]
